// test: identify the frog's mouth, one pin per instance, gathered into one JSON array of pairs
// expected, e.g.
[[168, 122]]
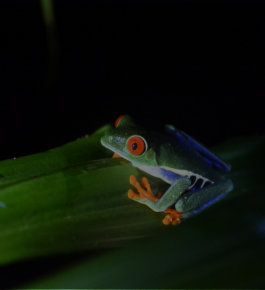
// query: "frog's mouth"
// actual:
[[105, 143]]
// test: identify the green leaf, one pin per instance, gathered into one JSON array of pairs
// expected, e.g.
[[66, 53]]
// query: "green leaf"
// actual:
[[61, 201], [73, 199], [223, 247]]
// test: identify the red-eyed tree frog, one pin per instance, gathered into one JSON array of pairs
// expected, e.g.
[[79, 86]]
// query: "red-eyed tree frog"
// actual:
[[176, 158]]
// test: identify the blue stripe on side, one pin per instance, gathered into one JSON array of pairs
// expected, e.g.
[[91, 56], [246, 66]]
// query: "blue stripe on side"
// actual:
[[169, 175], [207, 155], [191, 144]]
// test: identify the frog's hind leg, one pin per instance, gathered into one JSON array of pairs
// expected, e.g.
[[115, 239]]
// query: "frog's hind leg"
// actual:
[[193, 211], [173, 217], [192, 203]]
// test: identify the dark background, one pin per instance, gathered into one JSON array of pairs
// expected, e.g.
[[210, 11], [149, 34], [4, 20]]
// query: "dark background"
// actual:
[[198, 65]]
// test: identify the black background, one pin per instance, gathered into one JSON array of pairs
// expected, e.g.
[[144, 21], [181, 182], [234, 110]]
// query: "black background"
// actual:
[[197, 65]]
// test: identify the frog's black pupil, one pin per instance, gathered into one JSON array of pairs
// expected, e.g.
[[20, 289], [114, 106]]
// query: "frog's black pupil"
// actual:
[[134, 146]]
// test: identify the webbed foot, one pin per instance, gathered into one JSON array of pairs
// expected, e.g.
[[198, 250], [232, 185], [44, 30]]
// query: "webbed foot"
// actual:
[[147, 197], [173, 217], [144, 192]]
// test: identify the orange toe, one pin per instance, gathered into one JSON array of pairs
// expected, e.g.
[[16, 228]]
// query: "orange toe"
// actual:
[[159, 194], [173, 217], [132, 194], [167, 220], [144, 193], [133, 180], [116, 155], [175, 222]]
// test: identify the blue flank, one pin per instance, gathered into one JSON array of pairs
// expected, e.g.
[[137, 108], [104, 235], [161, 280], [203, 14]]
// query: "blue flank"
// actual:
[[169, 175], [192, 144], [208, 155]]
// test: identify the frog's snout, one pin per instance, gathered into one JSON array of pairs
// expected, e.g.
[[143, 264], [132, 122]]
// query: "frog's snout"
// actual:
[[105, 140]]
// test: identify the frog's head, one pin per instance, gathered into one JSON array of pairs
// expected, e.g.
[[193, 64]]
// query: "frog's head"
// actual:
[[131, 142]]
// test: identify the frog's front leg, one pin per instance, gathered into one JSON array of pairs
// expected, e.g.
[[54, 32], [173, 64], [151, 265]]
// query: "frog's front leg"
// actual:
[[194, 202], [146, 196]]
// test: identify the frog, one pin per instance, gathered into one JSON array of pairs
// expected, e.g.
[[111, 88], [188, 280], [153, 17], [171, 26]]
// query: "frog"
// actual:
[[196, 177]]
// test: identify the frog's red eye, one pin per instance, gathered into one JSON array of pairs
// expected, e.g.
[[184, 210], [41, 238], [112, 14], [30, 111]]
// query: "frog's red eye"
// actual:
[[136, 145], [118, 120]]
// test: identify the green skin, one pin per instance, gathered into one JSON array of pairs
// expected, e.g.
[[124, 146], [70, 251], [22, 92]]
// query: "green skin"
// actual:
[[164, 154]]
